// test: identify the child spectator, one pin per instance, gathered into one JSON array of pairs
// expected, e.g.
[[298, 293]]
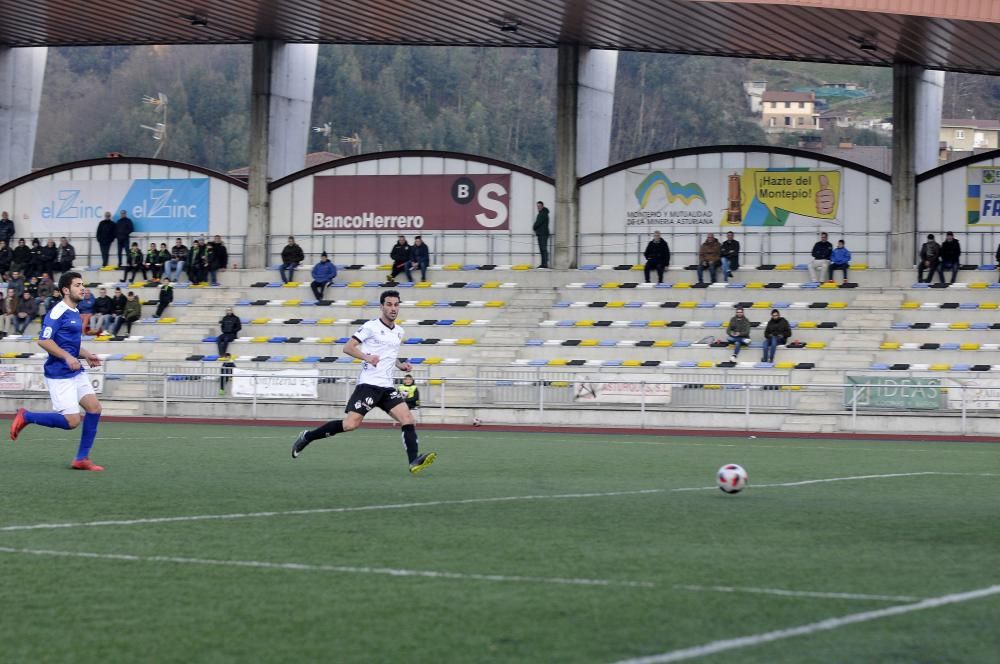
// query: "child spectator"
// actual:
[[840, 259], [151, 262], [166, 297], [410, 391]]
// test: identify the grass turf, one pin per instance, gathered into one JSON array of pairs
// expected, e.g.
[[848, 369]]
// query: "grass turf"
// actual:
[[918, 536]]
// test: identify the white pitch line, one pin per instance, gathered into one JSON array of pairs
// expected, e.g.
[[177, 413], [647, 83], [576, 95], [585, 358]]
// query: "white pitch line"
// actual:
[[797, 593], [432, 503], [431, 574], [811, 628], [342, 569]]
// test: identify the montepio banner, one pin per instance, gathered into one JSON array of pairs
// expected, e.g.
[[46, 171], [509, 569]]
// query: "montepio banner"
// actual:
[[411, 203], [732, 197]]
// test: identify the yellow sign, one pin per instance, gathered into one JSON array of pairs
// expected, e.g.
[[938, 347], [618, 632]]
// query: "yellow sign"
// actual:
[[771, 196]]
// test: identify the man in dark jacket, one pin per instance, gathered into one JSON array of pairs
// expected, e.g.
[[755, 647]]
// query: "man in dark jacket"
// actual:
[[65, 255], [420, 256], [131, 313], [738, 332], [6, 228], [106, 234], [166, 297], [730, 256], [218, 259], [230, 326], [291, 257], [20, 257], [777, 332], [101, 320], [930, 260], [951, 255], [400, 256], [123, 231], [819, 266], [657, 257], [6, 257], [178, 259], [541, 229]]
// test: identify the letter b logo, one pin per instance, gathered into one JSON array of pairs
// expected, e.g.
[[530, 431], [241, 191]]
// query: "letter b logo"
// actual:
[[463, 190]]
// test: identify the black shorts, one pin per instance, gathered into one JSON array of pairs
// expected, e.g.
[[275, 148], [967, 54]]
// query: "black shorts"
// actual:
[[367, 397]]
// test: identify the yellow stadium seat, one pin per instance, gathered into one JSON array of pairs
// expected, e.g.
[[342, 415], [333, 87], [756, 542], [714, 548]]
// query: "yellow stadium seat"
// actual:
[[560, 383], [969, 346], [784, 365], [611, 284], [682, 284], [760, 305], [706, 364], [325, 321], [616, 304], [291, 284], [784, 267], [260, 321], [657, 323], [632, 363], [520, 267], [8, 355], [133, 356], [829, 284], [463, 321], [294, 358], [910, 305], [687, 305], [791, 388], [958, 326], [558, 362], [259, 340], [755, 284], [425, 303], [494, 303], [837, 305], [422, 284], [465, 342], [663, 343], [640, 268], [940, 367], [491, 284], [859, 266], [357, 303], [816, 345], [434, 360], [589, 342], [713, 386], [979, 284], [167, 320], [807, 324], [355, 284], [291, 303], [452, 267], [584, 323], [108, 268], [890, 345], [387, 266], [326, 340], [435, 381]]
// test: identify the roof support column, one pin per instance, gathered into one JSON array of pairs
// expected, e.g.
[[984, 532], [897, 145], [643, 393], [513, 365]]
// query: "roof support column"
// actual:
[[281, 94], [584, 104], [916, 117], [22, 71]]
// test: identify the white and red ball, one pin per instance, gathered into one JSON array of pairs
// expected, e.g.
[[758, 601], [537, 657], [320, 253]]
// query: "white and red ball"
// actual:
[[732, 478]]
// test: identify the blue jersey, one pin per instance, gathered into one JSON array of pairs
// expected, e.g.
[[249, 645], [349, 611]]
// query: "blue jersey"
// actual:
[[64, 326]]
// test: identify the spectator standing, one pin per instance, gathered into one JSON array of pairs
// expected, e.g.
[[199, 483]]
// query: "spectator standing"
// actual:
[[86, 309], [776, 333], [819, 266], [541, 229], [7, 230], [166, 297], [730, 253], [131, 313], [709, 256], [6, 257], [657, 256], [323, 273], [291, 258], [178, 257], [50, 254], [134, 262], [951, 256], [218, 259], [400, 256], [21, 257], [106, 235], [420, 256], [739, 332], [840, 259], [930, 260], [26, 312], [9, 313], [123, 232], [65, 255], [229, 328], [102, 312]]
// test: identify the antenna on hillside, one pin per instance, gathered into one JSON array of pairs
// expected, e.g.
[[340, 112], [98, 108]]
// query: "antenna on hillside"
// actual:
[[159, 103]]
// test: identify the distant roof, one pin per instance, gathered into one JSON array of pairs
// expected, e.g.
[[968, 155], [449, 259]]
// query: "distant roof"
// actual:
[[971, 123], [775, 95], [312, 159], [953, 35]]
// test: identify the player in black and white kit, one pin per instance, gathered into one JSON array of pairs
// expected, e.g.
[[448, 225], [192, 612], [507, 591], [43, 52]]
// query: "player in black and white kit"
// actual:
[[376, 344]]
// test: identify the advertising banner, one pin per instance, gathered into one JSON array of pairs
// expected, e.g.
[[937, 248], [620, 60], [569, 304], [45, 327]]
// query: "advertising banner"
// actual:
[[982, 198], [285, 384], [733, 197], [619, 388], [977, 394], [411, 203], [154, 206], [903, 393], [29, 377], [11, 378]]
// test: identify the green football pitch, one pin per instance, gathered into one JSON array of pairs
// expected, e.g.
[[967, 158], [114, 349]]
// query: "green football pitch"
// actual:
[[209, 543]]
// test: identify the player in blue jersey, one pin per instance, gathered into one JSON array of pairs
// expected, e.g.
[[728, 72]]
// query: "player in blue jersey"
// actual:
[[68, 384]]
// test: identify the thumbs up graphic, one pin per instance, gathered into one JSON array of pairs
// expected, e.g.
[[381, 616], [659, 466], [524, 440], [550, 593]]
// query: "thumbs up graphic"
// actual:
[[825, 197]]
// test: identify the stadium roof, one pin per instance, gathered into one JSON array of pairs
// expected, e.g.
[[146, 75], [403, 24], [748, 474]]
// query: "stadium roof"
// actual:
[[955, 35]]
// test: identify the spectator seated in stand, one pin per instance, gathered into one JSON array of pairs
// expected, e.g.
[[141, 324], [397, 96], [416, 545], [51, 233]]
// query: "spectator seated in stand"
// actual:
[[930, 260], [819, 266], [134, 262], [323, 274], [400, 256], [951, 256], [65, 255], [730, 253], [166, 297], [657, 255], [229, 328], [86, 309], [738, 333], [178, 259], [132, 313], [101, 319], [710, 257], [420, 257], [777, 332], [27, 310], [291, 257], [840, 259]]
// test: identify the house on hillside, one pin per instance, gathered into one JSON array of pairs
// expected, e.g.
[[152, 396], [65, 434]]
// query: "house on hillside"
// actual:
[[839, 119], [789, 111], [964, 135]]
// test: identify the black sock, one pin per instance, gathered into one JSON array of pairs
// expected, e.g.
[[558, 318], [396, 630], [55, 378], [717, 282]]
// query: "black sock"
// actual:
[[331, 428], [410, 440]]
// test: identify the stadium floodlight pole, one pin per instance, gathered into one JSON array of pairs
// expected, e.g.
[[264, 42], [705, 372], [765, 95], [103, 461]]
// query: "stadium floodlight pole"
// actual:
[[159, 103]]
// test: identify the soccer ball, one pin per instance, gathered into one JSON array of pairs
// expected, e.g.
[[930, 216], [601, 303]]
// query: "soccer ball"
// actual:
[[476, 422], [732, 478]]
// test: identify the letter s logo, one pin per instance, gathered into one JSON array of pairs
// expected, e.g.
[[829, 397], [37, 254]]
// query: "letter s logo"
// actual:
[[498, 207]]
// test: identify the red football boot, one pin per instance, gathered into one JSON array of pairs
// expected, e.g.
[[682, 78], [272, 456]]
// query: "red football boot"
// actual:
[[85, 464], [18, 424]]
